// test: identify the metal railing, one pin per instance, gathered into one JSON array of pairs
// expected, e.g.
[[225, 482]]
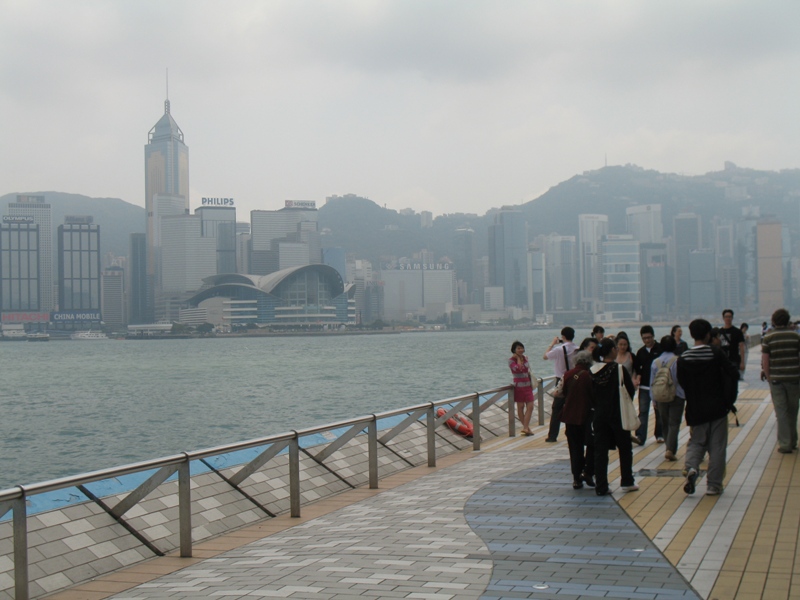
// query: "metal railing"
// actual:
[[15, 499]]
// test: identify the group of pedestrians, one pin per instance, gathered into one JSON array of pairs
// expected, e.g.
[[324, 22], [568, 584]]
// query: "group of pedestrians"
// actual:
[[700, 382]]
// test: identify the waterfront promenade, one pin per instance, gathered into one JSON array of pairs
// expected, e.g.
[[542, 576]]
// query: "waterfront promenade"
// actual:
[[505, 523]]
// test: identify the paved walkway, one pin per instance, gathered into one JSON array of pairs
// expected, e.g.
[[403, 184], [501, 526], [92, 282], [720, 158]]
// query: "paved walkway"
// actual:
[[505, 523]]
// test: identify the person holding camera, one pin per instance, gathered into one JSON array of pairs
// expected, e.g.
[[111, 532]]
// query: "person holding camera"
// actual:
[[560, 352]]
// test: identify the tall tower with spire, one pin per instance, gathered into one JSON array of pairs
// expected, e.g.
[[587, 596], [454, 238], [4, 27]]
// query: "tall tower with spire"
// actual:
[[166, 182]]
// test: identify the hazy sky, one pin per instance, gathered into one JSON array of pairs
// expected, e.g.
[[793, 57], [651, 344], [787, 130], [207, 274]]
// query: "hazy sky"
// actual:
[[446, 106]]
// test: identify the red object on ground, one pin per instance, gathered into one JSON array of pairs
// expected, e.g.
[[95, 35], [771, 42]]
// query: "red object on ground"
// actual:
[[460, 424]]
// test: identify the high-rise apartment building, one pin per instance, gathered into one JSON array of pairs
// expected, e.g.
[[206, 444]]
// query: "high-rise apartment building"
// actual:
[[219, 222], [591, 229], [702, 283], [508, 256], [464, 258], [79, 265], [622, 294], [644, 223], [770, 266], [37, 209], [653, 271], [19, 266], [187, 257], [687, 236], [166, 165], [561, 268], [137, 283], [112, 287], [274, 230], [537, 283]]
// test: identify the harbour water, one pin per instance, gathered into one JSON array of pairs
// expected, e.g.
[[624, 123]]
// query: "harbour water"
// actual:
[[70, 407]]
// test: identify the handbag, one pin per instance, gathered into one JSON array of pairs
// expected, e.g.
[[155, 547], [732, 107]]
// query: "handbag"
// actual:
[[630, 418]]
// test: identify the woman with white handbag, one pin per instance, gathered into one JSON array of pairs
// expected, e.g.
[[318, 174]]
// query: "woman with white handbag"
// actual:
[[614, 417]]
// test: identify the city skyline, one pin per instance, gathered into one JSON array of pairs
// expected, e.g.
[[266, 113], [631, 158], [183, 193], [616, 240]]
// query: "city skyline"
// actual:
[[447, 108]]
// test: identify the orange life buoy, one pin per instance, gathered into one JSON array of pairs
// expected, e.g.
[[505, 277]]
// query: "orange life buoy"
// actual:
[[459, 424]]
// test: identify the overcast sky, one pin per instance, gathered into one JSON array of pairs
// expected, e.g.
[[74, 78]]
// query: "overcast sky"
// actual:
[[454, 106]]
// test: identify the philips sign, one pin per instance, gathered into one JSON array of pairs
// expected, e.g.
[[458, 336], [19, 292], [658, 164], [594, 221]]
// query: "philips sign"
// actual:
[[217, 201]]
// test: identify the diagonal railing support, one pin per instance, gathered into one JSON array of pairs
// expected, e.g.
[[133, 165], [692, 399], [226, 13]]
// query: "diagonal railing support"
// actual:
[[141, 492], [258, 462]]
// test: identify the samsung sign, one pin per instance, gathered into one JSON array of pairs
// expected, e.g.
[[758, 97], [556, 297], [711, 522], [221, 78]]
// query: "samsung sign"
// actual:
[[75, 315], [309, 204], [217, 201]]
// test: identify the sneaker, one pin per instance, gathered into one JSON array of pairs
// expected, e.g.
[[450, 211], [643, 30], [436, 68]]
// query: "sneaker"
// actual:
[[630, 488], [551, 440], [713, 491], [659, 440], [691, 479], [670, 455]]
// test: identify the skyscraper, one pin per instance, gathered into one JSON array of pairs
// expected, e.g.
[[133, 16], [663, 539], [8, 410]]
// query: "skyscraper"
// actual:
[[644, 223], [622, 294], [36, 208], [137, 295], [79, 265], [19, 265], [291, 231], [561, 273], [166, 168], [113, 296], [508, 256], [687, 236], [591, 229]]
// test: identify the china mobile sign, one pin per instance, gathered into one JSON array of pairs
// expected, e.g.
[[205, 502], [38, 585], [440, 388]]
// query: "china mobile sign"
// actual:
[[73, 316]]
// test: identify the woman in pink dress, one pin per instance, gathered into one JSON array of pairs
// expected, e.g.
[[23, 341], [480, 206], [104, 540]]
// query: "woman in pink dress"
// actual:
[[523, 385]]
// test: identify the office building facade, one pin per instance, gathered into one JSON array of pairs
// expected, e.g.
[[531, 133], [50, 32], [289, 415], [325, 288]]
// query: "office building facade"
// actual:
[[644, 223], [702, 283], [622, 293], [19, 266], [273, 231], [653, 270], [508, 256], [591, 230], [687, 237], [79, 265], [166, 159], [137, 280], [40, 212], [112, 301]]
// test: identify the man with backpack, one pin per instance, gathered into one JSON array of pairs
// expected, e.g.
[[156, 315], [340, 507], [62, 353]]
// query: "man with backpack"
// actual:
[[668, 395]]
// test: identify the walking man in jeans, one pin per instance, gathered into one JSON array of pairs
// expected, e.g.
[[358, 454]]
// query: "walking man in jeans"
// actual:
[[560, 352], [780, 365], [707, 378], [644, 360]]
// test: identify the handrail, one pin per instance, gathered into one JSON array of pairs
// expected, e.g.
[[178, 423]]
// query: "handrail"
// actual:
[[14, 499]]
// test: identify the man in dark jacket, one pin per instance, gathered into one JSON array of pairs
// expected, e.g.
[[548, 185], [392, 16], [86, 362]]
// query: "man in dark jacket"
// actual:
[[707, 378], [644, 359]]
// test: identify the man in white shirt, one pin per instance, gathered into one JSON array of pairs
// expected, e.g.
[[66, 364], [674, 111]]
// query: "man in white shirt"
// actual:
[[561, 352]]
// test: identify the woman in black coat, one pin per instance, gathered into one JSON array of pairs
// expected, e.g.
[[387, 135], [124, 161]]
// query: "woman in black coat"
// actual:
[[607, 422]]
